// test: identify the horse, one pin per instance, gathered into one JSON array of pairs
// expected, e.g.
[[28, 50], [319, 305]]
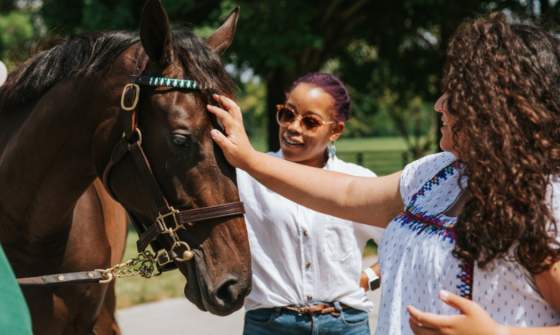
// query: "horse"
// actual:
[[107, 122]]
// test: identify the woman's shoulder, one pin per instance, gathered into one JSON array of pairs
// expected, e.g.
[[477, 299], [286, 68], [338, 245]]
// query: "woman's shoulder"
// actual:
[[418, 172]]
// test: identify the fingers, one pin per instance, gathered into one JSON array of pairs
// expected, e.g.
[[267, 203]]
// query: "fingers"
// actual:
[[223, 116], [429, 320], [464, 305], [230, 105], [223, 142], [420, 329]]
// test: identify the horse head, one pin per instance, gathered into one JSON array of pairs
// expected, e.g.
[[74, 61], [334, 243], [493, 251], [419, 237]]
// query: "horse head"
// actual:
[[165, 170]]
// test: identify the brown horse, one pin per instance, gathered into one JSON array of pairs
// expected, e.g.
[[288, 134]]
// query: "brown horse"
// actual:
[[60, 120]]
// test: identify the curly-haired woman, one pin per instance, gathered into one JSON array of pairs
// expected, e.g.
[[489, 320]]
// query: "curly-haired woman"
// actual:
[[473, 230]]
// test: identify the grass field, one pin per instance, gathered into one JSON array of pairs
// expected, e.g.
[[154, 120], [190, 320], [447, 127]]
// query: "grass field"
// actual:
[[382, 155]]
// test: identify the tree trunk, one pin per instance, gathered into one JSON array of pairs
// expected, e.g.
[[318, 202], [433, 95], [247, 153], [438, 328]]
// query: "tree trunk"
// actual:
[[276, 82]]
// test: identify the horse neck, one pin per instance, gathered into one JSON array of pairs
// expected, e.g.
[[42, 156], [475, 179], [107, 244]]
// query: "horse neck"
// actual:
[[48, 163]]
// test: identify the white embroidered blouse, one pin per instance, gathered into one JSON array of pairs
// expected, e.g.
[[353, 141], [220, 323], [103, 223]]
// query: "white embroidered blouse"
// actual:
[[417, 262]]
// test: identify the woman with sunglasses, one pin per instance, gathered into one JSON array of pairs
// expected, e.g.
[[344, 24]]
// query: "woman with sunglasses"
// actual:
[[473, 230], [306, 265]]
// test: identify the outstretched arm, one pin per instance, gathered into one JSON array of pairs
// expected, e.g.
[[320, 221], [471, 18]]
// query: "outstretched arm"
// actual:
[[368, 200]]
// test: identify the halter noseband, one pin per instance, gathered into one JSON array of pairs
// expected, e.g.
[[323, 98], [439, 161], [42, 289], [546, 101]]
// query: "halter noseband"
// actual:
[[167, 221]]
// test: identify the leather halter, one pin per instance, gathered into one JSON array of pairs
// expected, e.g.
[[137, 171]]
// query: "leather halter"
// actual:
[[167, 220], [161, 235]]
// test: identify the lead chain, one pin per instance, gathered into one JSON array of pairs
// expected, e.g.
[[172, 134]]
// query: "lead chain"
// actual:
[[144, 265]]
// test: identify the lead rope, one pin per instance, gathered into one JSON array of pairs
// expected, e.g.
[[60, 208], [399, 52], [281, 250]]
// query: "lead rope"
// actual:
[[144, 265]]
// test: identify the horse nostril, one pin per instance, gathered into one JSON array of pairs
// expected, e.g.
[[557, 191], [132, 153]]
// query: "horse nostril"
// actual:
[[228, 292]]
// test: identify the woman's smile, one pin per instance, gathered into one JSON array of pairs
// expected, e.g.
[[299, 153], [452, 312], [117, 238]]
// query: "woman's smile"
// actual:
[[292, 140]]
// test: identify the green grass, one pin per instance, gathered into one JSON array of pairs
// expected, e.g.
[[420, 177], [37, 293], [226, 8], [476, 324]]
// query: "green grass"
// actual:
[[371, 144], [382, 155], [352, 144]]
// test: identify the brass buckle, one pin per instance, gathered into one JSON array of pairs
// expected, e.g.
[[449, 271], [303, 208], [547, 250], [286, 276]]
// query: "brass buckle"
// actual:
[[160, 219], [136, 88], [186, 255], [163, 258]]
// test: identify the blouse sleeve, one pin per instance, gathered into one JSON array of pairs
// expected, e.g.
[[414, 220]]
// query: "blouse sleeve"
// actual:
[[417, 173]]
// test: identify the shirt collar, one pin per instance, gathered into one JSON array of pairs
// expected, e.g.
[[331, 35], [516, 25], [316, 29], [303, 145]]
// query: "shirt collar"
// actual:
[[329, 165]]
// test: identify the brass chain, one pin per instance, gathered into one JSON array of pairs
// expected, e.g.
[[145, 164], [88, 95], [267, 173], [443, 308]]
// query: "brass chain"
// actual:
[[144, 265]]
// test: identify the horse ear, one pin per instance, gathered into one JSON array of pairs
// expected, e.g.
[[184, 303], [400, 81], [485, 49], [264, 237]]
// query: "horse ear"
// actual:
[[222, 38], [155, 33]]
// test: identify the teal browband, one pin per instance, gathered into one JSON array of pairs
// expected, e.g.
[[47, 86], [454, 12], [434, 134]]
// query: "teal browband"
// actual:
[[168, 82]]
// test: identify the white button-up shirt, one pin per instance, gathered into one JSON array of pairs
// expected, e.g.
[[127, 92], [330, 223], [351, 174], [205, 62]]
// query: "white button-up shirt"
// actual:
[[299, 255]]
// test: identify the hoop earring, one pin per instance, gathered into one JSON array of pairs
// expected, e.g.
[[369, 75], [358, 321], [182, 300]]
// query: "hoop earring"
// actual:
[[331, 149]]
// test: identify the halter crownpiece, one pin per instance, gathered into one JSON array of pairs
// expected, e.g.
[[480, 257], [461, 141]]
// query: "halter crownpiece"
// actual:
[[168, 82]]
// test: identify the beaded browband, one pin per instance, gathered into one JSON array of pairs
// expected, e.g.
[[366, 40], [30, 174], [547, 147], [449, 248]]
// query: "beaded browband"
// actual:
[[168, 82]]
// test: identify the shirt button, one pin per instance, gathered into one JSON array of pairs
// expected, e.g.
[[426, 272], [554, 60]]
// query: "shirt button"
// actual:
[[305, 232], [309, 298], [307, 265]]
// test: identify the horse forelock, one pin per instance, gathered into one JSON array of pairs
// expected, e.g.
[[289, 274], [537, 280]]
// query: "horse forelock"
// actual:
[[202, 65]]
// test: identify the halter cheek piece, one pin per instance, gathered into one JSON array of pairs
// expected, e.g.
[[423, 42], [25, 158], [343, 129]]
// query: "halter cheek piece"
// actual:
[[162, 234]]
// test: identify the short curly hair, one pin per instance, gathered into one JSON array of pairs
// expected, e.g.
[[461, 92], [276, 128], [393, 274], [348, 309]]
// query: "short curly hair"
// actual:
[[503, 85]]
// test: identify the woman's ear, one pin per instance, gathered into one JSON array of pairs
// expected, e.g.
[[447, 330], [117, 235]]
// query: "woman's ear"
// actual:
[[336, 131]]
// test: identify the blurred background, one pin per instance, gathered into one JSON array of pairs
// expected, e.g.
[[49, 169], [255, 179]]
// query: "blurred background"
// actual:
[[390, 54]]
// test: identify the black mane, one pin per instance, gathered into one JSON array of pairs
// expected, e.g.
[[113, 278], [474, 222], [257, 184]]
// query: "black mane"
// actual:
[[86, 54]]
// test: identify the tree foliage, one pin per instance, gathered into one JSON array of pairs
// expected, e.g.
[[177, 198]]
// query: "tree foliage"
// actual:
[[390, 53]]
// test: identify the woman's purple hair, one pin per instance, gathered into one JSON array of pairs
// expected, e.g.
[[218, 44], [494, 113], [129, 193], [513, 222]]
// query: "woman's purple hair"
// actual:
[[333, 86]]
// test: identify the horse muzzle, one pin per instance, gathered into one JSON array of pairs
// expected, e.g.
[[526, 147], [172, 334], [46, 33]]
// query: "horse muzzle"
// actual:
[[221, 294]]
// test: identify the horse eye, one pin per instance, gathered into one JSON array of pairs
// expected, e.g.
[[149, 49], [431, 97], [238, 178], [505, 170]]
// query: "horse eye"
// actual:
[[180, 140]]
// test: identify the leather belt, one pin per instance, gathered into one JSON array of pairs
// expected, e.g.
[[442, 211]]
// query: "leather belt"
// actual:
[[315, 309]]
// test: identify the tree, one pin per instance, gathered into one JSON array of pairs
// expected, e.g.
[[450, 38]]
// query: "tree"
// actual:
[[374, 46], [390, 53], [378, 48]]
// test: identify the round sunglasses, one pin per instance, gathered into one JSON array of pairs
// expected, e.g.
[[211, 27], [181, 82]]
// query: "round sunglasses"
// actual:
[[285, 116]]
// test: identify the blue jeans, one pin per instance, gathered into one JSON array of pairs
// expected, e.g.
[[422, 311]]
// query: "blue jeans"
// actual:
[[275, 321]]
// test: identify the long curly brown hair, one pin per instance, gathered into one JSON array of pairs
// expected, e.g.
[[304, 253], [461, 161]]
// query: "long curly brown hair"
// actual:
[[504, 93]]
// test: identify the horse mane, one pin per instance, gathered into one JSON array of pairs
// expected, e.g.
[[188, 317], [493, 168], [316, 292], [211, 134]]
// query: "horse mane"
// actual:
[[86, 54], [73, 57]]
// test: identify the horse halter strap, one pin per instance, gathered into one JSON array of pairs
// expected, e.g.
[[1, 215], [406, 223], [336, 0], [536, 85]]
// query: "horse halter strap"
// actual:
[[167, 221]]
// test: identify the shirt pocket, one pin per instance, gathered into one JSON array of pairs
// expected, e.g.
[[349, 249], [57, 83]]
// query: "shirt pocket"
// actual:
[[339, 242]]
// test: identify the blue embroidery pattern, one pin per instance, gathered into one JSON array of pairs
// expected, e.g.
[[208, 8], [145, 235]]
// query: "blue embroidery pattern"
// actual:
[[422, 222]]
